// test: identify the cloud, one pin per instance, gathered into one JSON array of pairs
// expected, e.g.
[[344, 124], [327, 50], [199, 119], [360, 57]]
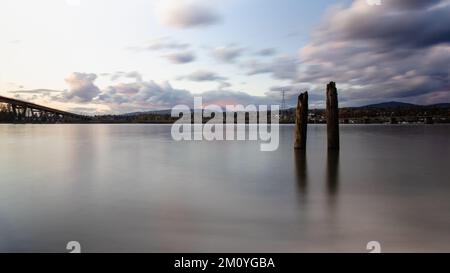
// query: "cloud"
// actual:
[[398, 50], [390, 24], [34, 94], [81, 87], [141, 95], [223, 84], [226, 97], [283, 67], [83, 110], [186, 14], [207, 76], [175, 52], [203, 76], [144, 96], [163, 43], [120, 74], [166, 43], [180, 57], [227, 54], [412, 4], [266, 52], [35, 91]]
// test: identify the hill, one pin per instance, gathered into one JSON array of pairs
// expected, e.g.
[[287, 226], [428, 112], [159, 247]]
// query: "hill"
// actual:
[[391, 104]]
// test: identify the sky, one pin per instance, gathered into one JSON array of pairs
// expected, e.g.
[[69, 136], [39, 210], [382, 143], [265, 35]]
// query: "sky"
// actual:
[[117, 56]]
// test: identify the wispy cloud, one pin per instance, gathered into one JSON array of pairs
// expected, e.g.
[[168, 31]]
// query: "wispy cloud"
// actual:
[[282, 67], [202, 76], [35, 91], [207, 76], [187, 14], [266, 52], [227, 54], [162, 43], [121, 74], [180, 57]]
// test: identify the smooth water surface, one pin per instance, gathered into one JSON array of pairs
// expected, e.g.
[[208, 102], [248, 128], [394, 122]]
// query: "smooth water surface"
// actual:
[[132, 188]]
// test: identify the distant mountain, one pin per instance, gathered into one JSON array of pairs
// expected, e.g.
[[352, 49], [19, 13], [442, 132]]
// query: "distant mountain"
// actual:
[[154, 112], [391, 104], [383, 105], [397, 104], [440, 105]]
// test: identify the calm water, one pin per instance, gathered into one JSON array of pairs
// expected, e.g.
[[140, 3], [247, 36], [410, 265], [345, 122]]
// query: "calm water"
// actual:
[[131, 188]]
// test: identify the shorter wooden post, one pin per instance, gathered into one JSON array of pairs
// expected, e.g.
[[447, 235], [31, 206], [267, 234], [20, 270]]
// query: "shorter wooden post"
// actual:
[[332, 117], [301, 121]]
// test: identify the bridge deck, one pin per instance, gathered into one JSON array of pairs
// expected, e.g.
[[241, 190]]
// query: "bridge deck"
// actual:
[[36, 106]]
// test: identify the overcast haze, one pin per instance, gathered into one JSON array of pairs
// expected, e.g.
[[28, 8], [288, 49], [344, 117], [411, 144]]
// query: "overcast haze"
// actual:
[[115, 56]]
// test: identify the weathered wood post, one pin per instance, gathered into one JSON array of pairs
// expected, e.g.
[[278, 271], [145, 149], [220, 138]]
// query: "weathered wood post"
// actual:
[[332, 117], [301, 121], [333, 171]]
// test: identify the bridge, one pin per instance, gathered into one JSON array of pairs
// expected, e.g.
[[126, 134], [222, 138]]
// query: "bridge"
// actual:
[[18, 111]]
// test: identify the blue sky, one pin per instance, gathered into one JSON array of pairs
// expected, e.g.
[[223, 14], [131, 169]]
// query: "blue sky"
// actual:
[[118, 56]]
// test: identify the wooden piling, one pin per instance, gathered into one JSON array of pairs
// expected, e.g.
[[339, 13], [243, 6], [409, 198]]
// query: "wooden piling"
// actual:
[[301, 121], [332, 114]]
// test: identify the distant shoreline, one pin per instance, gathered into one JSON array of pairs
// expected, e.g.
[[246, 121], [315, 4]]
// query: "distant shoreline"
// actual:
[[387, 113], [342, 122]]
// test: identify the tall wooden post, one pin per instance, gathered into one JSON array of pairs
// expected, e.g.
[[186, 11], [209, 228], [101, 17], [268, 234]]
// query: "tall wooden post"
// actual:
[[301, 121], [332, 117]]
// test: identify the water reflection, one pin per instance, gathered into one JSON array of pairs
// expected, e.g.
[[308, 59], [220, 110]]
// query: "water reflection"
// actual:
[[301, 170], [129, 188], [331, 175], [333, 172]]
